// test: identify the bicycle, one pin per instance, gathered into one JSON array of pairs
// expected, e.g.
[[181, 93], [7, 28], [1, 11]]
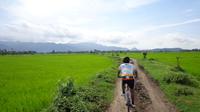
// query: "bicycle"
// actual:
[[127, 95], [128, 98]]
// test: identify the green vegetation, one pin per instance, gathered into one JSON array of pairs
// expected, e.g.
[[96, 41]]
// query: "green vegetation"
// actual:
[[32, 83], [93, 98], [180, 84], [189, 61], [28, 82]]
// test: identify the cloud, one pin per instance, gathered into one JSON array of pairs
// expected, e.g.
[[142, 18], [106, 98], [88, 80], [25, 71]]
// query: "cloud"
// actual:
[[188, 11], [148, 37], [26, 31], [46, 20], [169, 40], [131, 4], [70, 11], [180, 40], [147, 40], [74, 21], [156, 27], [181, 23]]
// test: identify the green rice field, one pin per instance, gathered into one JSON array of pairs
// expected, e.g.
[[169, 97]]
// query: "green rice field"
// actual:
[[189, 61], [29, 82], [161, 64]]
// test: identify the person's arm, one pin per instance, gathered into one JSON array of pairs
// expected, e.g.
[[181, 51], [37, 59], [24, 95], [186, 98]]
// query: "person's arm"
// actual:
[[119, 71], [136, 74], [118, 74]]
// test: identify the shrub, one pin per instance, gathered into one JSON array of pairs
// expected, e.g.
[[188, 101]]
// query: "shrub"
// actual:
[[184, 91], [67, 89], [178, 69], [82, 99], [152, 59], [103, 76], [91, 98], [181, 78]]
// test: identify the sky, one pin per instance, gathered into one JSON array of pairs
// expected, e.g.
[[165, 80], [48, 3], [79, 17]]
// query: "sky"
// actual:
[[142, 24]]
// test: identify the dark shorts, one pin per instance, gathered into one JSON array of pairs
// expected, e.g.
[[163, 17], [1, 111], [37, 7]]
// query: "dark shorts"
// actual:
[[129, 82]]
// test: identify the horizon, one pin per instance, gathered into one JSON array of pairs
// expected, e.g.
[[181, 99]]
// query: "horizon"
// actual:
[[141, 24], [134, 48]]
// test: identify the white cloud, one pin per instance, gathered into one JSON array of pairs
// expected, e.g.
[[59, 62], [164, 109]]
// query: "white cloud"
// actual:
[[157, 27], [35, 18], [181, 23], [71, 11], [131, 4], [67, 21], [164, 40], [179, 40], [26, 31], [188, 11]]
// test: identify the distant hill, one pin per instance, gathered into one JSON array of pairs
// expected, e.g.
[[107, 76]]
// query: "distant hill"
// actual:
[[134, 49], [48, 47], [168, 49]]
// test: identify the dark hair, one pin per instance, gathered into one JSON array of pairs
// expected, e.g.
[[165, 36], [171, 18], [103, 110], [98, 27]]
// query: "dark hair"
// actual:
[[126, 60]]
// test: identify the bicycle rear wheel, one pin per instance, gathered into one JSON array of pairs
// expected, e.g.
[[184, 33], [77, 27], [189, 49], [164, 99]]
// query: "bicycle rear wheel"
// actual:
[[128, 108]]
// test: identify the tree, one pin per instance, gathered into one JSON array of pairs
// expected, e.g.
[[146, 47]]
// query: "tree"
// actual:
[[144, 54], [53, 51]]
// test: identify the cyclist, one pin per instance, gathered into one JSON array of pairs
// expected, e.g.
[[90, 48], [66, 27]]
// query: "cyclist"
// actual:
[[128, 73]]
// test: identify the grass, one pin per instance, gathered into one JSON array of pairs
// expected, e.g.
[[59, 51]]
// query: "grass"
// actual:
[[96, 97], [189, 61], [158, 71], [162, 65], [28, 82]]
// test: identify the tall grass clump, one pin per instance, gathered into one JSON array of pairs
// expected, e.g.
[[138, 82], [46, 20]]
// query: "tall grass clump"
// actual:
[[184, 91], [181, 78], [94, 97]]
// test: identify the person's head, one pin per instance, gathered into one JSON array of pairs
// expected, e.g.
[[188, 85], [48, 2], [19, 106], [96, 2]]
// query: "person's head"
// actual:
[[126, 60]]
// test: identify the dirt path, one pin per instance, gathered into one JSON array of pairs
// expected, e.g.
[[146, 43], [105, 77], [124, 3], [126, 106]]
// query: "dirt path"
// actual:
[[148, 97], [118, 104]]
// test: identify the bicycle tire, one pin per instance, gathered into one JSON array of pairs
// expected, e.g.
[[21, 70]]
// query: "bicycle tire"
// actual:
[[128, 100], [128, 108]]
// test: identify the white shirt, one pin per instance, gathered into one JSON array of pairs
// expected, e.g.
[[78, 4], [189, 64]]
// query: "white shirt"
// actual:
[[126, 68]]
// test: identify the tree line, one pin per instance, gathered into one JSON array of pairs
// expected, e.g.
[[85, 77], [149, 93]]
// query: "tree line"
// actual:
[[12, 52]]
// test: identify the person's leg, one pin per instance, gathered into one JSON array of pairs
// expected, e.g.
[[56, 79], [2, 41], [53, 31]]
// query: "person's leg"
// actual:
[[128, 96], [131, 85], [132, 96], [123, 86]]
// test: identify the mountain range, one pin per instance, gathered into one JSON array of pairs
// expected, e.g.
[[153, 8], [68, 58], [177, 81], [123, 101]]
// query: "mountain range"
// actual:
[[48, 47], [168, 49]]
